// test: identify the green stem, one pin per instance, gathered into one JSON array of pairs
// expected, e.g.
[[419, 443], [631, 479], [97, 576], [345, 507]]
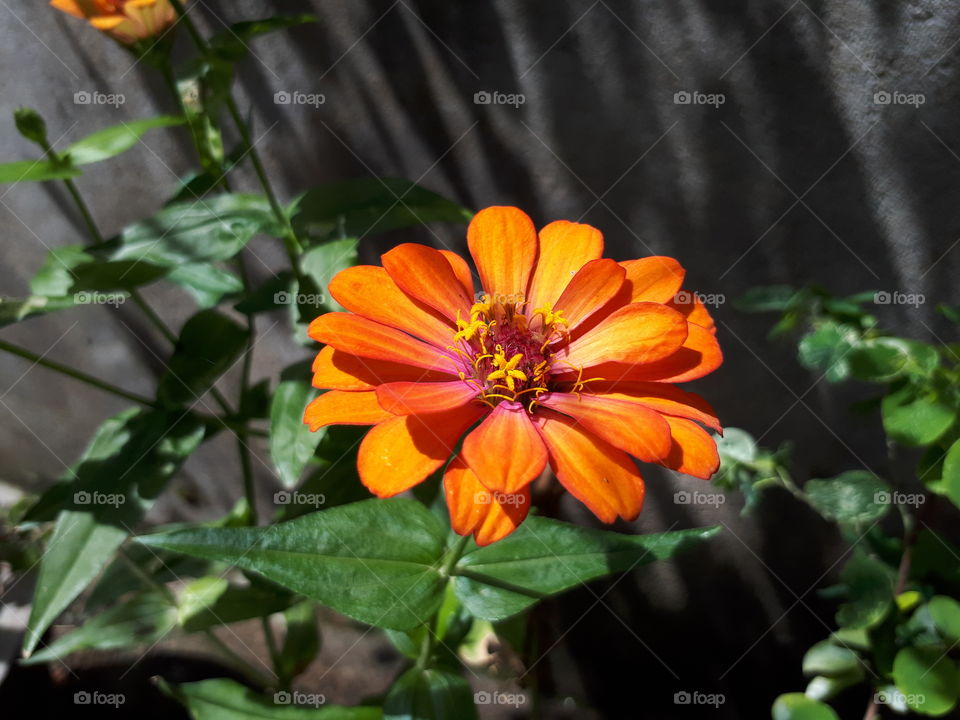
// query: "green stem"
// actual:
[[454, 554], [75, 374], [146, 578], [272, 648], [430, 636], [253, 674]]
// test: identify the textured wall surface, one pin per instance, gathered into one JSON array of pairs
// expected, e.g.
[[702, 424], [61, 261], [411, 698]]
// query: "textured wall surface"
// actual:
[[799, 176]]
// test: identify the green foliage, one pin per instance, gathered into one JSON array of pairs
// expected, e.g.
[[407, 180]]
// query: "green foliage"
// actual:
[[429, 694], [291, 442]]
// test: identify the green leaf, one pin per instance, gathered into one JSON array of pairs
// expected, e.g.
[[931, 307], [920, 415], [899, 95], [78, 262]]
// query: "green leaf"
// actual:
[[951, 473], [142, 620], [869, 586], [431, 694], [544, 557], [35, 171], [322, 262], [826, 349], [208, 284], [211, 601], [823, 688], [797, 706], [223, 699], [826, 658], [214, 228], [291, 442], [773, 298], [72, 269], [13, 310], [912, 416], [128, 462], [367, 206], [945, 612], [878, 360], [928, 678], [855, 497], [376, 561], [203, 85], [232, 42], [737, 445], [302, 640], [209, 345], [112, 141]]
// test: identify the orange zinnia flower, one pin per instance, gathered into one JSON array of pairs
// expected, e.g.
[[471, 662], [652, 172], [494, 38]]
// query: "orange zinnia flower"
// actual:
[[127, 21], [566, 358]]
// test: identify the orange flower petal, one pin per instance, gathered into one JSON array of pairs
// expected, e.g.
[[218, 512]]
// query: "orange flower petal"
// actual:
[[337, 407], [662, 397], [68, 6], [565, 247], [366, 338], [591, 288], [505, 450], [694, 452], [695, 311], [490, 516], [426, 275], [503, 243], [603, 478], [629, 426], [653, 279], [336, 370], [403, 451], [461, 270], [369, 291], [420, 398], [699, 356], [637, 333]]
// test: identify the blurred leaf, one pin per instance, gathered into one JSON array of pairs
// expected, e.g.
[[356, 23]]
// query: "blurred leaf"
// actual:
[[110, 142], [272, 294], [916, 417], [35, 171], [203, 84], [291, 442], [797, 706], [211, 601], [826, 349], [208, 284], [209, 345], [935, 558], [141, 620], [71, 269], [878, 360], [128, 462], [826, 658], [544, 557], [855, 497], [772, 298], [215, 228], [302, 640], [13, 310], [255, 403], [324, 261], [222, 699], [429, 695], [824, 688], [869, 591], [945, 613], [356, 208], [737, 445], [232, 42], [951, 473], [358, 558], [928, 678]]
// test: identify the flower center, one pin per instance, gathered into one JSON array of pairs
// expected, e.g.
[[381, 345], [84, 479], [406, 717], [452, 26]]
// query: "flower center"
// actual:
[[506, 352]]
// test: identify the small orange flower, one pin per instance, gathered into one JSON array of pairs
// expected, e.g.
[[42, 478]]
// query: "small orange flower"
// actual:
[[127, 21], [566, 358]]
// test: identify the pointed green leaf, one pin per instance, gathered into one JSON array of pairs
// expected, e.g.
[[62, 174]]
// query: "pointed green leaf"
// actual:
[[110, 142], [912, 416], [35, 171], [207, 283], [855, 497], [291, 442], [432, 694], [232, 42]]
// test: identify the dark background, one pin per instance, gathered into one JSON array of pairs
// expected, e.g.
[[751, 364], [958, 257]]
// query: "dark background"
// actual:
[[798, 177]]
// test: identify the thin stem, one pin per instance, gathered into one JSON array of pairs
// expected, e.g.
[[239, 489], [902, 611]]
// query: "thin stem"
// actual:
[[430, 636], [456, 552], [84, 210], [272, 648], [146, 578], [75, 374], [243, 438]]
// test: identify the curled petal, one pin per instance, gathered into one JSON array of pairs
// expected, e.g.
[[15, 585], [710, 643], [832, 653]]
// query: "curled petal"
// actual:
[[427, 276], [662, 397], [591, 288], [461, 270], [489, 515], [505, 450], [337, 407], [565, 247], [695, 311], [694, 452], [653, 279], [503, 243], [403, 451], [603, 478]]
